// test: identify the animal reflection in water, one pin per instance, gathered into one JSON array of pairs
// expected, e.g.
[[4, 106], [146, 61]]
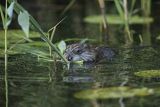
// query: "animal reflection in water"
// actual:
[[88, 54]]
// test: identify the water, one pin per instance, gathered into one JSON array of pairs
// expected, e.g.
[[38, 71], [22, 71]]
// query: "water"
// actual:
[[34, 83]]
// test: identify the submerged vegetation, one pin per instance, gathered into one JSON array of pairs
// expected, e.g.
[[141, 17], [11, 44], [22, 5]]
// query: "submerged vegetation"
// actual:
[[148, 73], [113, 92], [115, 19]]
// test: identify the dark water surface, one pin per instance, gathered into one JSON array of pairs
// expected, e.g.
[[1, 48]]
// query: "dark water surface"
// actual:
[[37, 84], [34, 83]]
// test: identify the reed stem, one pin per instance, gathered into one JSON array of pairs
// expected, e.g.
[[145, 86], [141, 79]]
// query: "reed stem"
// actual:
[[104, 19], [126, 19], [6, 55], [6, 69]]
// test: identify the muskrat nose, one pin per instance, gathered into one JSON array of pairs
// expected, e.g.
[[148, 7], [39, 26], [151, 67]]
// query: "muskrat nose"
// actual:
[[70, 58]]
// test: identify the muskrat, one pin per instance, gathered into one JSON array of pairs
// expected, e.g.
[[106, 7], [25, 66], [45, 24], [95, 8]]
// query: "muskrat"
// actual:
[[87, 53]]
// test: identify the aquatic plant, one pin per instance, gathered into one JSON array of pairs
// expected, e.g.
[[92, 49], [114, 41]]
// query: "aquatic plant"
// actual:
[[116, 19], [113, 93], [50, 35], [146, 7], [122, 8], [128, 14], [105, 29], [6, 20], [19, 9], [24, 20], [148, 73]]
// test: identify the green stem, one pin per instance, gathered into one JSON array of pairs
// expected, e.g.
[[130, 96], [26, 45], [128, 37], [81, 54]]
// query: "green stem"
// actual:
[[6, 56], [50, 48], [126, 18], [104, 18], [6, 73]]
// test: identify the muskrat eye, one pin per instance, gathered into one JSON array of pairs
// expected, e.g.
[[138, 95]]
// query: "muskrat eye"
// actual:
[[78, 51]]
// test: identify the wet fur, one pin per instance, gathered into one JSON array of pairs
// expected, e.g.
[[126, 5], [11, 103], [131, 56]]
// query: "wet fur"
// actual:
[[77, 52]]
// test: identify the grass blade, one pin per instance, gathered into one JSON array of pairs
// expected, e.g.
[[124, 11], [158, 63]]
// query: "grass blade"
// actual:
[[2, 16], [133, 2], [119, 8], [71, 3]]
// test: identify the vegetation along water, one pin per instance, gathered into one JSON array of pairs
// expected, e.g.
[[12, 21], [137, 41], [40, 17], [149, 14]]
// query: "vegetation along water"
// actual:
[[79, 53]]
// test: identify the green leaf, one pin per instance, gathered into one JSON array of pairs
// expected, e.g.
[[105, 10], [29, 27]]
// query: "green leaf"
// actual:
[[116, 19], [10, 10], [158, 37], [10, 13], [119, 8], [113, 92], [37, 27], [81, 62], [83, 41], [133, 2], [23, 20], [148, 73], [14, 36], [2, 16], [62, 46]]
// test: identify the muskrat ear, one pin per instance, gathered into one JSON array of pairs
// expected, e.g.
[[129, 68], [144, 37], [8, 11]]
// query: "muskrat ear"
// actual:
[[85, 45]]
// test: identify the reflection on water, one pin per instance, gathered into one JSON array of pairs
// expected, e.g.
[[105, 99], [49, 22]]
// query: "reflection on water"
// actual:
[[33, 83], [44, 84]]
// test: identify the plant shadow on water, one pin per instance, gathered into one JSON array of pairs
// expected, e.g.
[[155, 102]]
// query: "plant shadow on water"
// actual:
[[124, 81]]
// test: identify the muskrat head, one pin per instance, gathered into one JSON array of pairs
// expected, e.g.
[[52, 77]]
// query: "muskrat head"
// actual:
[[79, 52]]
